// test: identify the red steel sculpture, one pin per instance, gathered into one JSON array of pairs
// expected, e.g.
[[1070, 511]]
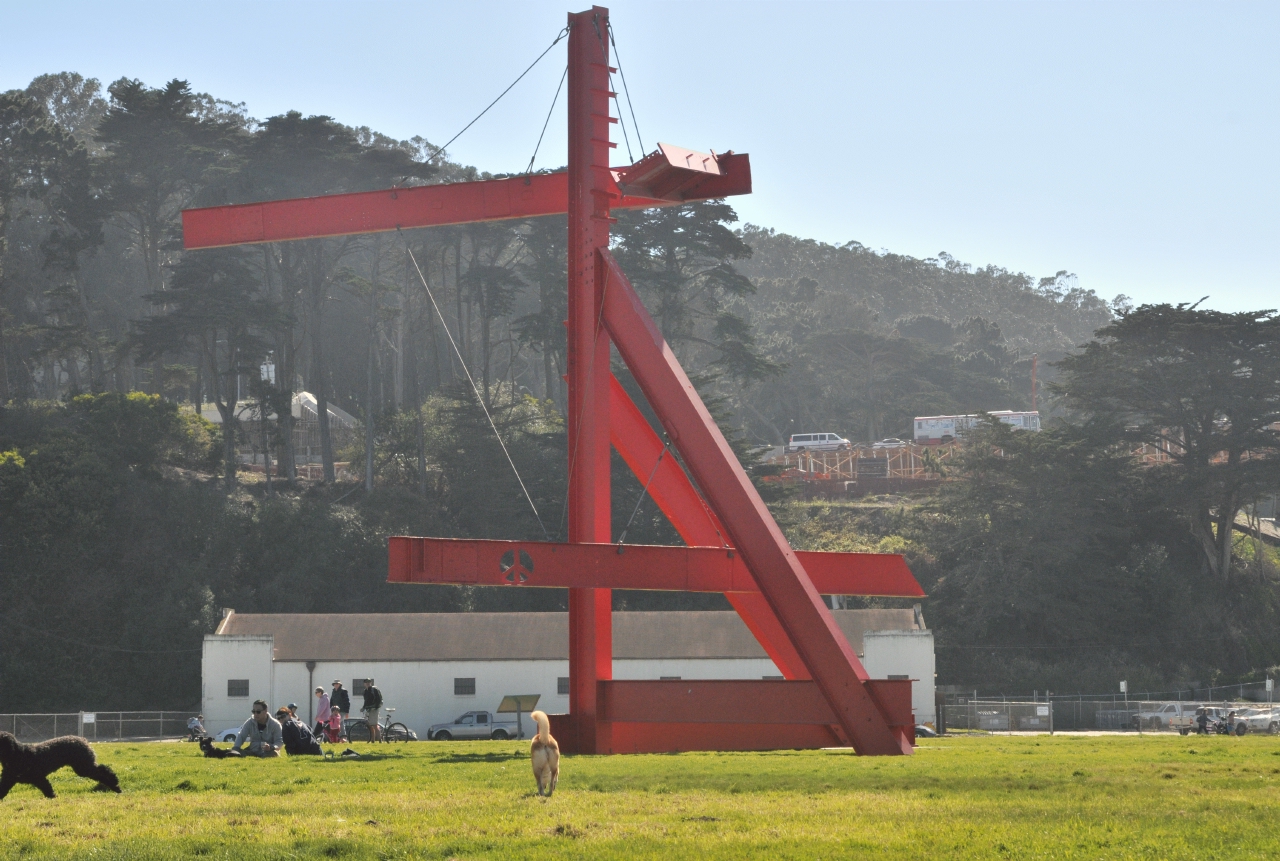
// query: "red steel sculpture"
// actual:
[[735, 547]]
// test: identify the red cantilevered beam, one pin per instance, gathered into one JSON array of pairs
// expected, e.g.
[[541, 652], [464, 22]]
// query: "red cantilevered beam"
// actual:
[[467, 561], [752, 531], [456, 203]]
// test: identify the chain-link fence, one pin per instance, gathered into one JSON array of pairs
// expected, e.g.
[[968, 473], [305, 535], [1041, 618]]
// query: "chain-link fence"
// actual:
[[1078, 714], [96, 726]]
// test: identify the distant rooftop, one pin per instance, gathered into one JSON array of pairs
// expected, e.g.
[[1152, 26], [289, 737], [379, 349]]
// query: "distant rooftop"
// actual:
[[304, 406], [515, 636]]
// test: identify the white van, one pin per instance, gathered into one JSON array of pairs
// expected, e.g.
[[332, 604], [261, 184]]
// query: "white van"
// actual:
[[817, 442]]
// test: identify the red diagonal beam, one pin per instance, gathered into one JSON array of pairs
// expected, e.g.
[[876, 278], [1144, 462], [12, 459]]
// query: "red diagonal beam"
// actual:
[[428, 206], [698, 525], [862, 573], [752, 530], [480, 562]]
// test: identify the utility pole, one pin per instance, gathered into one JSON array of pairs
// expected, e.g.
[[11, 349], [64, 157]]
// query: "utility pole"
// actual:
[[1035, 360]]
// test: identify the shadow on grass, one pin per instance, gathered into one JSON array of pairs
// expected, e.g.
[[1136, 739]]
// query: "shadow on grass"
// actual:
[[480, 757]]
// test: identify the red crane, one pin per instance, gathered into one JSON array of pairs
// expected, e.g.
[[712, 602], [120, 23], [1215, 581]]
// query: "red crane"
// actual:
[[735, 547]]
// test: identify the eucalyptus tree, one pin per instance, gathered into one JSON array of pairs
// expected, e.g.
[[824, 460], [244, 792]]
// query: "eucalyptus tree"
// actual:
[[1202, 386], [681, 260], [544, 264], [215, 309], [296, 156], [44, 184]]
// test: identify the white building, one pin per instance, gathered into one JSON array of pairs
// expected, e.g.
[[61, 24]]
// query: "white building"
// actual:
[[431, 667]]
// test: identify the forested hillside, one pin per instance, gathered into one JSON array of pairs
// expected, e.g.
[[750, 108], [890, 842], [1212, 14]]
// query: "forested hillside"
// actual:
[[126, 522]]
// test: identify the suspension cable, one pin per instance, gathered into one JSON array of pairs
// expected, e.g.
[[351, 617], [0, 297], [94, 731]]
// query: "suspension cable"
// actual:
[[643, 493], [547, 122], [474, 387], [623, 75], [595, 22], [441, 149]]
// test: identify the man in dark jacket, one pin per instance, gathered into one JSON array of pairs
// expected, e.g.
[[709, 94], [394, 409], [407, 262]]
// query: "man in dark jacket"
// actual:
[[340, 699], [372, 702]]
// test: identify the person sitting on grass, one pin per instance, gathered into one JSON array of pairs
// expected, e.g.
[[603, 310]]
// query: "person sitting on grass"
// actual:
[[298, 740], [195, 727], [261, 732]]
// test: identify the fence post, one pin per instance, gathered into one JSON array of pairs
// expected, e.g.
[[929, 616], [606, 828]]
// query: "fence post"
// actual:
[[80, 724]]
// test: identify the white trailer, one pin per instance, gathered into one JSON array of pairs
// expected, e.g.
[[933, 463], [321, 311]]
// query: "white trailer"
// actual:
[[937, 429]]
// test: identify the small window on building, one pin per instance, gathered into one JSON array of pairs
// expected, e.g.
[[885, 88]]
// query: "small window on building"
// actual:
[[562, 686], [668, 678], [772, 678], [237, 687], [464, 687], [894, 678], [357, 687]]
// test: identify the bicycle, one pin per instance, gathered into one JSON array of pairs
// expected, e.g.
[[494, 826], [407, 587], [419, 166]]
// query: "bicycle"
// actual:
[[357, 729]]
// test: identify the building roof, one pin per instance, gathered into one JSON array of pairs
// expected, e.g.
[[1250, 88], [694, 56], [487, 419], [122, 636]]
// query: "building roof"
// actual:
[[514, 636], [305, 405]]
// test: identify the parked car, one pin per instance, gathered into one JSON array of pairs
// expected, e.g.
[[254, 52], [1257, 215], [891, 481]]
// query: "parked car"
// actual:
[[227, 735], [891, 442], [923, 731], [817, 442], [1177, 716], [473, 725], [1260, 719]]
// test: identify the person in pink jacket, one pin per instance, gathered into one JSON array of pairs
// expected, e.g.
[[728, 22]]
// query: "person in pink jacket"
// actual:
[[322, 712]]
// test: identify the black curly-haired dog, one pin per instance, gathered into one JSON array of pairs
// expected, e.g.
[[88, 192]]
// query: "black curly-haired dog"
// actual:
[[33, 763], [213, 752]]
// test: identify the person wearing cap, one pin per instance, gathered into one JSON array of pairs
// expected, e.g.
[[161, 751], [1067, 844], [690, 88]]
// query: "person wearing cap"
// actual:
[[322, 712], [293, 710], [340, 700]]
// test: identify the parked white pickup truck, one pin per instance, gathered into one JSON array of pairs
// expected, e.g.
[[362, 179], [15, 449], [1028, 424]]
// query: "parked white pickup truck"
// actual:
[[1180, 716], [473, 725]]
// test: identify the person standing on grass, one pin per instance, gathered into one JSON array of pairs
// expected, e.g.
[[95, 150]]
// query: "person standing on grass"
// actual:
[[322, 712], [340, 700], [335, 726], [372, 702], [261, 732]]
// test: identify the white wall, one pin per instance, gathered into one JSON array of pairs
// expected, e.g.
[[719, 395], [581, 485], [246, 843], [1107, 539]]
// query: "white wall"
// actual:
[[904, 653], [234, 657], [422, 691]]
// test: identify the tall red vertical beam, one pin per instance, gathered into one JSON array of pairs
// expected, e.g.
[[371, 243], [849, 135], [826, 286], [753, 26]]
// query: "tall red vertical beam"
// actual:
[[590, 619]]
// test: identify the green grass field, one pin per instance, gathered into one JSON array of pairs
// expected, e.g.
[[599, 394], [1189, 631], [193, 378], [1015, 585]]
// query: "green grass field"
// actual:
[[985, 797]]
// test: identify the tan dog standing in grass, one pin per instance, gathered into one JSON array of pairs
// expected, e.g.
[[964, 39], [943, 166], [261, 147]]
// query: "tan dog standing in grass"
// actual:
[[545, 755]]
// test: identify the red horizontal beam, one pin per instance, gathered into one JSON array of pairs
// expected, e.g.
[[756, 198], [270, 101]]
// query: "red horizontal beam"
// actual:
[[678, 737], [669, 716], [632, 566], [739, 701], [421, 206]]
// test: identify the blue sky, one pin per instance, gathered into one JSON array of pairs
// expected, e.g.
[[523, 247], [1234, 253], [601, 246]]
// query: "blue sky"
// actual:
[[1134, 144]]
